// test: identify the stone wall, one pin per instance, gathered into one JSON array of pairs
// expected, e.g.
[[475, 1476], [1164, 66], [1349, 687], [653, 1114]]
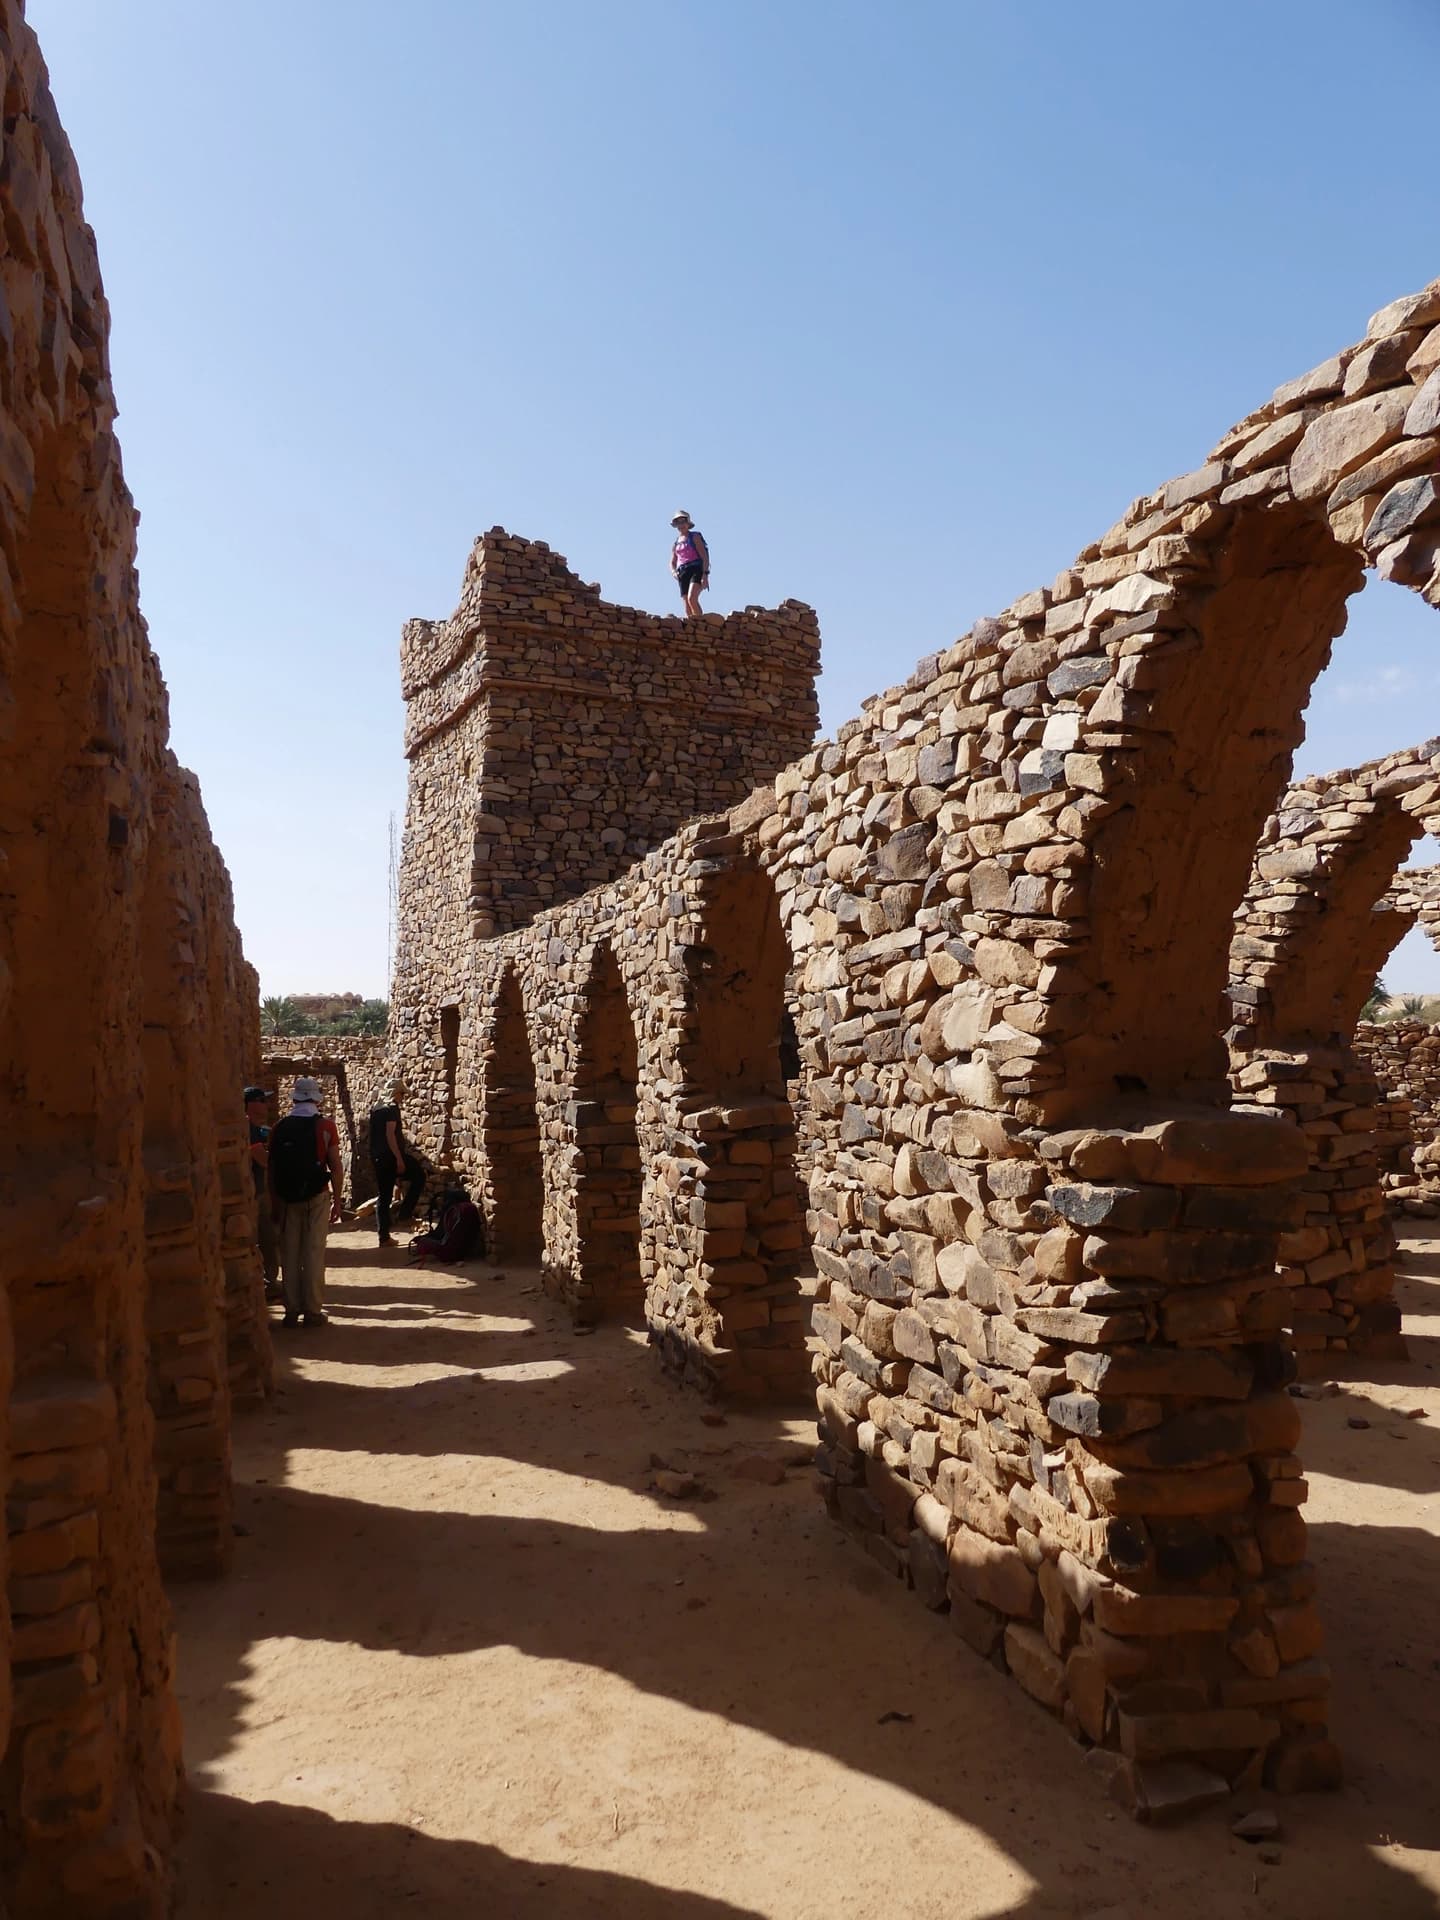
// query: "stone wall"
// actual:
[[1041, 1258], [205, 1339], [1322, 913], [132, 1294], [1404, 1056], [248, 1350], [354, 1074]]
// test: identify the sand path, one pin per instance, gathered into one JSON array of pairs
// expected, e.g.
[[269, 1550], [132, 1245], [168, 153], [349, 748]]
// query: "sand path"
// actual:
[[468, 1664]]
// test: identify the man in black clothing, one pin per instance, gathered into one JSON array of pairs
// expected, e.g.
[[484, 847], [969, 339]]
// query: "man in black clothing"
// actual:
[[257, 1112], [389, 1156]]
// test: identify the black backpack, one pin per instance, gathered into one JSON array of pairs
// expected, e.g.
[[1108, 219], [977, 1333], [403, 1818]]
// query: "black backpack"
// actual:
[[296, 1168]]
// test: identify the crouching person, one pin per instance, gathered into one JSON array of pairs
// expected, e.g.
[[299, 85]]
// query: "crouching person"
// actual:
[[459, 1232], [305, 1179]]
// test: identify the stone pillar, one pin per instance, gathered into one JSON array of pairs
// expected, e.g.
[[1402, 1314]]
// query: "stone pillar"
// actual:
[[1096, 1414]]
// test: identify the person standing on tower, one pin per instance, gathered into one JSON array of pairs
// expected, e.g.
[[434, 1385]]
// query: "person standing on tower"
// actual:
[[689, 562]]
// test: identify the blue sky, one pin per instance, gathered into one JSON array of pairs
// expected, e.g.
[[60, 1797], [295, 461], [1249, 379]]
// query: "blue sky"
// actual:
[[904, 303]]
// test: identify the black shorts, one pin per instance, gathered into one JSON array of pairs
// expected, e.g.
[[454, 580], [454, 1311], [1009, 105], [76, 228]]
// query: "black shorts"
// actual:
[[690, 576]]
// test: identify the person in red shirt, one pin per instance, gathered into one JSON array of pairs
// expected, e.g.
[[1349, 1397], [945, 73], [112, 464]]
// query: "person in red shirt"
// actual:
[[304, 1160]]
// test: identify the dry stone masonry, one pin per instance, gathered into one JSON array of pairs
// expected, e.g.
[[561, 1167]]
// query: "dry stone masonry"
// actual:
[[1404, 1056], [553, 738], [1323, 911], [134, 1319], [898, 1066], [1048, 1261]]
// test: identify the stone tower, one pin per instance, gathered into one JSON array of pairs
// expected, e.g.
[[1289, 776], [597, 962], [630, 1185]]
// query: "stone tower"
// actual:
[[553, 739]]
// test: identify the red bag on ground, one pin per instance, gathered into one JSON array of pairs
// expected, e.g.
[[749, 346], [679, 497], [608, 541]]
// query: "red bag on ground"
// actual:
[[460, 1235]]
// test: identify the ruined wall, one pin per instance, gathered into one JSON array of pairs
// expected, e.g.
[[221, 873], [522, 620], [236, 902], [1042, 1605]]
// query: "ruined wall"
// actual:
[[630, 1124], [235, 1026], [1043, 1251], [553, 738], [116, 948], [193, 1157], [354, 1074], [1404, 1056], [1323, 911]]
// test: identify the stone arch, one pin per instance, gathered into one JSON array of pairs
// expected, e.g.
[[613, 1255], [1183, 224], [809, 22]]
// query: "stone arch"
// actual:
[[1416, 890], [1324, 909], [515, 1180], [1142, 713], [738, 972], [1207, 757], [746, 1205], [1404, 1055], [601, 1119], [1319, 900], [1316, 924]]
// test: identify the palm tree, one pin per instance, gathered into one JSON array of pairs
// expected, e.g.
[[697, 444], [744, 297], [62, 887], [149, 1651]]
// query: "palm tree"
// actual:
[[373, 1017], [1414, 1006], [1376, 1001], [279, 1015]]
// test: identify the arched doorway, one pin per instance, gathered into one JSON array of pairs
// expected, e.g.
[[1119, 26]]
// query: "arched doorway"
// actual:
[[747, 1208], [516, 1185], [610, 1179], [1310, 938]]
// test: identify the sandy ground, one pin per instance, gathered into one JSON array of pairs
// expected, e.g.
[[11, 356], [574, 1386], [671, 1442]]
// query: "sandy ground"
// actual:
[[467, 1664]]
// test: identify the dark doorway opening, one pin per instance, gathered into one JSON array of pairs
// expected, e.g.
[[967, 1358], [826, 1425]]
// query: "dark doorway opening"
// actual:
[[512, 1135], [610, 1178], [744, 1051]]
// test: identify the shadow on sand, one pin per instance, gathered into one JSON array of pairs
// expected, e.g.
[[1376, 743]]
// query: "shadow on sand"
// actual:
[[758, 1612]]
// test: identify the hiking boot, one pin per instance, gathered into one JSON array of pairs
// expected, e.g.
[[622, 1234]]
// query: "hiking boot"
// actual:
[[291, 1320], [315, 1319], [387, 1240]]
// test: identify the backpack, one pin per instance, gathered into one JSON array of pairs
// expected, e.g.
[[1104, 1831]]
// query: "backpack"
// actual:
[[462, 1233], [296, 1168]]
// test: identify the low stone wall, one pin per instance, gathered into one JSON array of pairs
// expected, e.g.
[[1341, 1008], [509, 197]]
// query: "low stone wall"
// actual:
[[354, 1073], [1404, 1056]]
